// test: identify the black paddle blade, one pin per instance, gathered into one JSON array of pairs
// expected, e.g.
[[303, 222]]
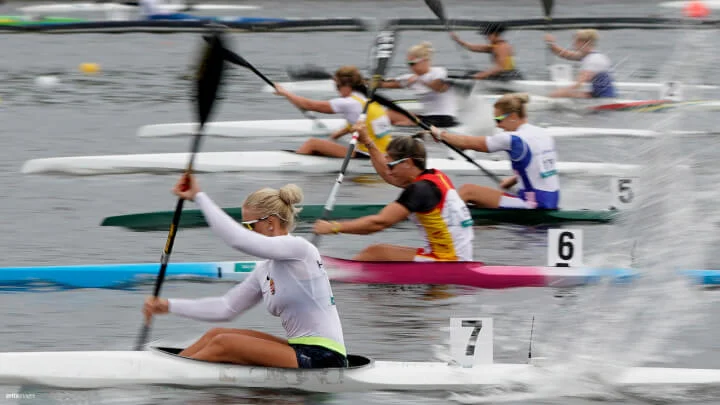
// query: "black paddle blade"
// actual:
[[209, 76], [383, 50], [307, 72], [230, 56], [547, 7], [437, 9]]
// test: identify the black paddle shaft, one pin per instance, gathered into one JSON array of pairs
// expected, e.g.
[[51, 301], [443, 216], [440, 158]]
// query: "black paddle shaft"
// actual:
[[391, 105], [236, 59], [207, 83]]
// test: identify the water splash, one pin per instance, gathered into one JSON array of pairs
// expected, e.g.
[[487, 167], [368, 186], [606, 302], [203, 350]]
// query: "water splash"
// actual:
[[598, 331]]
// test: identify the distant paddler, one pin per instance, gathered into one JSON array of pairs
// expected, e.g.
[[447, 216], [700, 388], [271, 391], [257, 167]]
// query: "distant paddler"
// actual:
[[500, 50], [350, 104], [429, 82], [531, 152], [291, 282], [153, 10], [429, 199], [595, 67]]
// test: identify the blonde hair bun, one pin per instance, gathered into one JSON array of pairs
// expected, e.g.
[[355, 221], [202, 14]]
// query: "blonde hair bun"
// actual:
[[290, 194], [269, 201], [523, 98]]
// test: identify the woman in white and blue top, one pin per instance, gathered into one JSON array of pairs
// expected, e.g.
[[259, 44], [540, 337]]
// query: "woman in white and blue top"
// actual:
[[532, 154], [595, 67], [291, 282]]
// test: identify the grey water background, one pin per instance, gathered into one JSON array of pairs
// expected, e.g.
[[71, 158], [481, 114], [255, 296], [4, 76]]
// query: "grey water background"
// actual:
[[53, 220]]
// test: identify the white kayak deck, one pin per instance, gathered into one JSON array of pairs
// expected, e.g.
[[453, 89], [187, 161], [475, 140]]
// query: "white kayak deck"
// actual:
[[276, 161], [88, 370], [325, 126]]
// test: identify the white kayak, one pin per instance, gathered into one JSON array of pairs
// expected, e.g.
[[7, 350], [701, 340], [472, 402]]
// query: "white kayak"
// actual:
[[276, 161], [472, 368], [531, 86], [325, 126], [103, 7], [579, 105]]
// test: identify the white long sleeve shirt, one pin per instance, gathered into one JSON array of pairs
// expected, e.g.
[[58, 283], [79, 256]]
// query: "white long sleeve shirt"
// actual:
[[292, 283]]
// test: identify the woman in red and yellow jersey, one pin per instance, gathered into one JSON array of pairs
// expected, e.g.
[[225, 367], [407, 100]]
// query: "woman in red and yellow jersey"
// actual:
[[350, 105], [429, 199]]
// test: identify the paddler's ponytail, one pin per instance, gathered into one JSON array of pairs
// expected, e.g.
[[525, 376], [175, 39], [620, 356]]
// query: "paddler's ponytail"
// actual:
[[350, 76], [281, 203], [513, 103], [408, 147]]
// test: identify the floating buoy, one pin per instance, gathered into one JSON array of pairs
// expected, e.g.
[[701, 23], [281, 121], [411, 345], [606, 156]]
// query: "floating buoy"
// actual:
[[89, 68], [46, 81], [696, 9]]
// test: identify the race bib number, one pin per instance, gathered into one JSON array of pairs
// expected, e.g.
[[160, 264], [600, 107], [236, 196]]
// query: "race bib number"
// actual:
[[548, 161], [381, 126]]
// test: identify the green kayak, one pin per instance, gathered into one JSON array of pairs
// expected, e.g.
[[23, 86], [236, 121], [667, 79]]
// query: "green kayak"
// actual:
[[21, 20], [160, 221]]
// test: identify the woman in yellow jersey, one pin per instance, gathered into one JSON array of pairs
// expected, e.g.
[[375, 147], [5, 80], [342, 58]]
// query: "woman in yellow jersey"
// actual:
[[352, 90], [428, 198], [502, 54]]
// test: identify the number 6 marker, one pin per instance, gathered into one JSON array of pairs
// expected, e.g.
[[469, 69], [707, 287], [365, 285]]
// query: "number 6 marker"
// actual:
[[565, 248]]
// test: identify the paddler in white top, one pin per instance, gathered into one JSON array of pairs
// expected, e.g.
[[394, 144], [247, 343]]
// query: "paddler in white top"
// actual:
[[154, 10], [595, 67], [292, 283], [350, 86], [531, 152], [439, 106], [428, 199]]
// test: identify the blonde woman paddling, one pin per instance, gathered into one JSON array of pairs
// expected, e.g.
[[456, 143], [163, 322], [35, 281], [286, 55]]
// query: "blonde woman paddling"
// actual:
[[531, 152], [291, 282], [595, 67], [439, 106], [350, 104]]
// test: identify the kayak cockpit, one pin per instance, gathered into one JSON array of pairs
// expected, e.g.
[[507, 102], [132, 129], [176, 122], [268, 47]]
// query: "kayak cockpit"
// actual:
[[354, 360]]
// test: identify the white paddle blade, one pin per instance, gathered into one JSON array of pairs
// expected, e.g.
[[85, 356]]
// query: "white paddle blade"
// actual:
[[561, 72], [471, 341]]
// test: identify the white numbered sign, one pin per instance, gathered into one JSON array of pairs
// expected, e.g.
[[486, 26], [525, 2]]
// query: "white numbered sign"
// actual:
[[672, 91], [623, 192], [561, 73], [471, 341], [565, 247]]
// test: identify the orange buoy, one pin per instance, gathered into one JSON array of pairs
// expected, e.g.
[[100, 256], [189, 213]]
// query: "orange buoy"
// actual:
[[696, 9], [89, 68]]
